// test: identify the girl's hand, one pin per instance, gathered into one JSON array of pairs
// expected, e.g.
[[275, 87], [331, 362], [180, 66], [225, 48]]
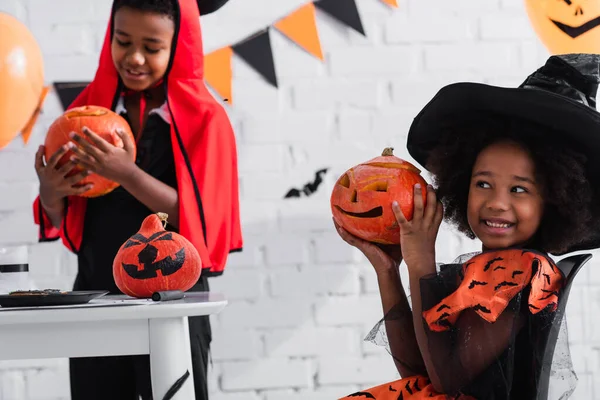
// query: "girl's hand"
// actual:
[[384, 258], [103, 158], [417, 236], [54, 183]]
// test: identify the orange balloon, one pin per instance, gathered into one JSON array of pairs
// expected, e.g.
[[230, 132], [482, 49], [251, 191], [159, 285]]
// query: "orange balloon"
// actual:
[[21, 77], [571, 26]]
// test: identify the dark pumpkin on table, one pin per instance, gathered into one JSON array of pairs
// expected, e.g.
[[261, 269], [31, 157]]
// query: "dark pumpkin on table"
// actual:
[[361, 200], [101, 121], [154, 260]]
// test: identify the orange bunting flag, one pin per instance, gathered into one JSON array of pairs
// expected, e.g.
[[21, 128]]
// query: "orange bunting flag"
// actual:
[[393, 3], [28, 128], [217, 71], [301, 27]]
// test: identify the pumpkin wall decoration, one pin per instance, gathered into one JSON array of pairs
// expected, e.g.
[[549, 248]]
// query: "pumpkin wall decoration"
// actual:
[[155, 259], [566, 26], [101, 121], [361, 200]]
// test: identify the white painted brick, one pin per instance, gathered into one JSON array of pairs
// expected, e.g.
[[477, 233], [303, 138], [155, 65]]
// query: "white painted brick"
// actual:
[[437, 29], [17, 166], [18, 228], [15, 8], [70, 68], [59, 40], [257, 217], [60, 12], [288, 127], [510, 26], [330, 248], [513, 5], [489, 56], [311, 341], [235, 396], [334, 311], [270, 186], [354, 370], [326, 393], [18, 196], [245, 285], [266, 374], [465, 8], [368, 278], [235, 345], [46, 363], [267, 158], [315, 281], [13, 385], [374, 61], [286, 250], [327, 93], [49, 383], [251, 95], [292, 61], [355, 124], [306, 215], [586, 387], [266, 313]]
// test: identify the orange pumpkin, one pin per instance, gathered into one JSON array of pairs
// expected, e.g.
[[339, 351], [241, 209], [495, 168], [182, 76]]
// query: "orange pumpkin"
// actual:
[[101, 121], [154, 260], [361, 200]]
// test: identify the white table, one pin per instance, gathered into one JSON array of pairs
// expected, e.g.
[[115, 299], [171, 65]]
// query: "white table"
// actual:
[[110, 326]]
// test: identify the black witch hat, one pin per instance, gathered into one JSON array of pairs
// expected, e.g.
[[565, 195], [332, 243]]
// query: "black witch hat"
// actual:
[[561, 96]]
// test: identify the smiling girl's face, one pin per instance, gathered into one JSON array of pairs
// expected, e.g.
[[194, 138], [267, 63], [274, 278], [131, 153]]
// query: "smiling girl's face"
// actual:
[[141, 46], [505, 205]]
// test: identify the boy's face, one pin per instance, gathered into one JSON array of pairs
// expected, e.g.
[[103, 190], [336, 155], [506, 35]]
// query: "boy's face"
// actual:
[[141, 46], [505, 205]]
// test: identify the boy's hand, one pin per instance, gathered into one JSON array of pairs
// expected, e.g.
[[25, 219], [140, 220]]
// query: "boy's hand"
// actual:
[[54, 183], [417, 236], [384, 258], [103, 158]]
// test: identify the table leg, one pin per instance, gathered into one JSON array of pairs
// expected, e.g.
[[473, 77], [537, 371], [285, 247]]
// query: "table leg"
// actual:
[[170, 357]]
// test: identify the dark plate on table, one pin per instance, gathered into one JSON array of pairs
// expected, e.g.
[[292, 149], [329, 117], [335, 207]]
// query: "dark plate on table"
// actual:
[[37, 298]]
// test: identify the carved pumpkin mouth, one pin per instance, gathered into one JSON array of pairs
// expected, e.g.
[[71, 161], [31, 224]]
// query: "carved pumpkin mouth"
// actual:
[[575, 31], [373, 213]]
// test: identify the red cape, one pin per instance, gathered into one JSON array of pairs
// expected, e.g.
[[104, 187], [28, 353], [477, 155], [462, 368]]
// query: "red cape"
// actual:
[[203, 146]]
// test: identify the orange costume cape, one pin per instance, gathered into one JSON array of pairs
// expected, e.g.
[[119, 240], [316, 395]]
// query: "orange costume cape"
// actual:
[[204, 149]]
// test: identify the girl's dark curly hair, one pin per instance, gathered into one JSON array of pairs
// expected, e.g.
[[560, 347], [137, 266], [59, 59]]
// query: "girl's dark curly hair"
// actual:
[[569, 214], [164, 7]]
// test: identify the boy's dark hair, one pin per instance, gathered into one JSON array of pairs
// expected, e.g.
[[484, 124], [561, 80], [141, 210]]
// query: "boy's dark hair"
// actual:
[[569, 215], [164, 7]]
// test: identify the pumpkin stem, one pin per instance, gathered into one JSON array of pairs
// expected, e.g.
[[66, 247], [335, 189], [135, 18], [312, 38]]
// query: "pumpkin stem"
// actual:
[[163, 217], [388, 151]]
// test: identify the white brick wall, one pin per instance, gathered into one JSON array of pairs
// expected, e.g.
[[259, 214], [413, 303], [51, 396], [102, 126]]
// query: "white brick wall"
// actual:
[[301, 300]]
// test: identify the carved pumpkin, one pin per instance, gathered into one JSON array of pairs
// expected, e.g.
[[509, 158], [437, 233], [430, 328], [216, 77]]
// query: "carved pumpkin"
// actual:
[[101, 121], [154, 260], [362, 197]]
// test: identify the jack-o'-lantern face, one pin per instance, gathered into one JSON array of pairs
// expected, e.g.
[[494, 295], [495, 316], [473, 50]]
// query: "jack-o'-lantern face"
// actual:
[[361, 201], [566, 26]]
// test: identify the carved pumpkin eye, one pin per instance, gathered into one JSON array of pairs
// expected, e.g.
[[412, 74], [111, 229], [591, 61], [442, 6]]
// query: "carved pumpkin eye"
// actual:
[[345, 181], [380, 186]]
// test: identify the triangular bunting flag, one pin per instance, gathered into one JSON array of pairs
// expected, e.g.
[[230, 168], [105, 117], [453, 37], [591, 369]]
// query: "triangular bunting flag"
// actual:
[[344, 11], [68, 91], [301, 27], [256, 51], [393, 3], [28, 129], [217, 71]]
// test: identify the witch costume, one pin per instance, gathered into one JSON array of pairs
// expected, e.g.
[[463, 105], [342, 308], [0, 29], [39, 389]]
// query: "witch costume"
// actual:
[[522, 292]]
